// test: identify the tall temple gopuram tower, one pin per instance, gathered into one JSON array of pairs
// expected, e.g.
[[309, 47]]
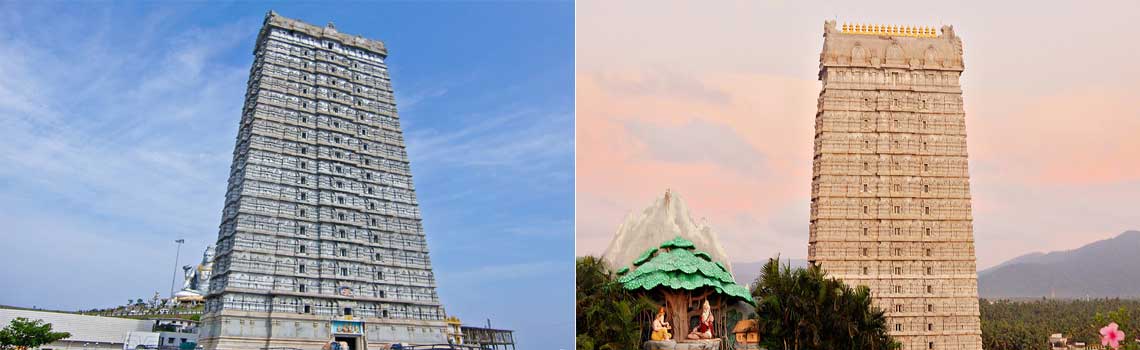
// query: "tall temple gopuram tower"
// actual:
[[890, 197], [321, 236]]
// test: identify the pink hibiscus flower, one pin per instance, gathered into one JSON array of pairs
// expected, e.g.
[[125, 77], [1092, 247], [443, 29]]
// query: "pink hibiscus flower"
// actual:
[[1111, 336]]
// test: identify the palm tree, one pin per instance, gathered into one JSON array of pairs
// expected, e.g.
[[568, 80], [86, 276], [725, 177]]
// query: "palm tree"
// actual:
[[803, 309]]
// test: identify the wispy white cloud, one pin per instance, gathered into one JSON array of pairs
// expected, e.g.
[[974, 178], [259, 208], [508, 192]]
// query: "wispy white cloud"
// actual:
[[129, 138], [524, 146], [505, 272], [117, 140], [543, 228], [698, 141], [508, 138], [408, 102], [663, 82]]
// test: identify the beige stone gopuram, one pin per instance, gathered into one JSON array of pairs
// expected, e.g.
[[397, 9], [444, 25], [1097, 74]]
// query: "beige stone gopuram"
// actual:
[[890, 191]]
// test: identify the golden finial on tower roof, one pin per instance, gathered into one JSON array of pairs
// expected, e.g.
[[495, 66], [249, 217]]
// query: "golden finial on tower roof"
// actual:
[[890, 29]]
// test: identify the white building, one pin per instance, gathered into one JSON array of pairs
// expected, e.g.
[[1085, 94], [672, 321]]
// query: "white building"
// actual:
[[87, 332]]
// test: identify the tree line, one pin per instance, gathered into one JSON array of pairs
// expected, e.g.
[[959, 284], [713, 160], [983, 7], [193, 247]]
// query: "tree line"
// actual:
[[1027, 324], [797, 309], [803, 308]]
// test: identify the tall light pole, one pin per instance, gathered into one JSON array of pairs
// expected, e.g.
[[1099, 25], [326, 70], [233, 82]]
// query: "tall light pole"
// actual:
[[175, 276]]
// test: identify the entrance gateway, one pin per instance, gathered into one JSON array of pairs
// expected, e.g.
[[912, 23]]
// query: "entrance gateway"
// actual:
[[349, 333]]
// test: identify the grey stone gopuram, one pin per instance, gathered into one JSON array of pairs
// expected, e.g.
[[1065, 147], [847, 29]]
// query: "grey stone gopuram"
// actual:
[[321, 236]]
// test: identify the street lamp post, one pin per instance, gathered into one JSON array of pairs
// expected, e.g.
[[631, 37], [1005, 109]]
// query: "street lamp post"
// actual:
[[175, 275]]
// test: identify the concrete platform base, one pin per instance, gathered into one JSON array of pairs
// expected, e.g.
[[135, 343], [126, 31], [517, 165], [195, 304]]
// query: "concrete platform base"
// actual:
[[710, 344]]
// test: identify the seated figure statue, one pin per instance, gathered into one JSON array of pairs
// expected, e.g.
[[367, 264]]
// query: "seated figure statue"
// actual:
[[661, 327], [704, 327]]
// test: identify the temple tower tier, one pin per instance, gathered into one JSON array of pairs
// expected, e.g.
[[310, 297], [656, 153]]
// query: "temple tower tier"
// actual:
[[321, 237], [890, 195]]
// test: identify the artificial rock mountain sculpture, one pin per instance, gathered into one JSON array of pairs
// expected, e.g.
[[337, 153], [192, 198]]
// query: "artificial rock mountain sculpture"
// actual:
[[666, 219]]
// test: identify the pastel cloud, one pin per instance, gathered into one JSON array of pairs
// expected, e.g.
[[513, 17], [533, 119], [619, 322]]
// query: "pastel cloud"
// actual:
[[696, 140], [722, 154], [718, 102]]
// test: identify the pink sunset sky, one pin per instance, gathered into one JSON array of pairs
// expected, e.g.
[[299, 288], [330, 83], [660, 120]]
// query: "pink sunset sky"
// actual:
[[716, 101]]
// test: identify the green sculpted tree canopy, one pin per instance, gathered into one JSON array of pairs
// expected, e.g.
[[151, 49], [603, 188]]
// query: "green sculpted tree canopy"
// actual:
[[803, 309], [23, 334], [676, 264], [677, 270]]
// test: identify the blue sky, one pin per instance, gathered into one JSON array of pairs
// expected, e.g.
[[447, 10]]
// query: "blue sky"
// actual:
[[117, 125]]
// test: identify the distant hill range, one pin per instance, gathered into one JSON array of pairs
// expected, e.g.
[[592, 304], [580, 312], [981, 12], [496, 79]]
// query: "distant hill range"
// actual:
[[1105, 268], [1102, 269]]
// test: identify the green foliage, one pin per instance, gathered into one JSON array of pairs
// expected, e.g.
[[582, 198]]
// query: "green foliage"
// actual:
[[165, 328], [608, 316], [23, 333], [731, 318], [803, 309], [1027, 324], [1123, 319]]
